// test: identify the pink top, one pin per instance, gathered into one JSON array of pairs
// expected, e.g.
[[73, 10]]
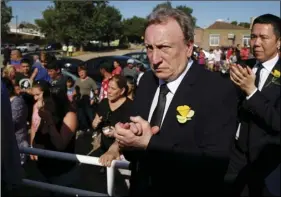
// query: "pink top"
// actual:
[[35, 117], [201, 59], [117, 70], [103, 90], [244, 53]]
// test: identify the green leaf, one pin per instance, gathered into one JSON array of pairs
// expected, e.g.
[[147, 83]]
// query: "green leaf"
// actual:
[[6, 16]]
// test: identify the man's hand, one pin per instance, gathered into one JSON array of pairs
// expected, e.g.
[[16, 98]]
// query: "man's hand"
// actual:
[[244, 78], [135, 134]]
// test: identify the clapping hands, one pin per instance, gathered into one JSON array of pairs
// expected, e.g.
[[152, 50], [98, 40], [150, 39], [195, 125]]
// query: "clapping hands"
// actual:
[[134, 134], [243, 77]]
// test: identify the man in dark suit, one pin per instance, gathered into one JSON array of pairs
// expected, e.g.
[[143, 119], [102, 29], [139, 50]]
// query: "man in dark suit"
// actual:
[[256, 151], [184, 116]]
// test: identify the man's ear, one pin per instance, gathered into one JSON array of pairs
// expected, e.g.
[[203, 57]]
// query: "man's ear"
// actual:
[[278, 43], [123, 91], [189, 51]]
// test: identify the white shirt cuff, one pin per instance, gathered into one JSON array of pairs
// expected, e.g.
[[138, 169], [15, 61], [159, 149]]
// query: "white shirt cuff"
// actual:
[[248, 97]]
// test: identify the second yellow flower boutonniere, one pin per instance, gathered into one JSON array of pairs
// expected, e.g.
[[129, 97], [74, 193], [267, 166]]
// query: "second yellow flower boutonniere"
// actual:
[[276, 78], [276, 73], [185, 113]]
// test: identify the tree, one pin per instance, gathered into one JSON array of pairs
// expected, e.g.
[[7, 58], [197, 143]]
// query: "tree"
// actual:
[[188, 11], [134, 28], [110, 24], [48, 25], [234, 23], [183, 8], [6, 16], [72, 21], [244, 24], [163, 5], [27, 25]]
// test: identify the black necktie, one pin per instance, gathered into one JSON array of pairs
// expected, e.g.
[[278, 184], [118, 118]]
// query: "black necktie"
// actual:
[[158, 113], [258, 73]]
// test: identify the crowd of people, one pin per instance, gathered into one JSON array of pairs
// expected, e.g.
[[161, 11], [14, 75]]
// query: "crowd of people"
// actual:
[[183, 128], [50, 110], [220, 58]]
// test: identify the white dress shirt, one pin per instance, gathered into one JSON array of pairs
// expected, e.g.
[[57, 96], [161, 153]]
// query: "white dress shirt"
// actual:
[[173, 86], [265, 72], [139, 77]]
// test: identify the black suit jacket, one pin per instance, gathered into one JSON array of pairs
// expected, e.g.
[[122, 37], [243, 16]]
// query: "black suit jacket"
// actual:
[[186, 158], [262, 117]]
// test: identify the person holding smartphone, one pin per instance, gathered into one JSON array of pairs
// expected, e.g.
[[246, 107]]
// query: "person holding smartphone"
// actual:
[[111, 110]]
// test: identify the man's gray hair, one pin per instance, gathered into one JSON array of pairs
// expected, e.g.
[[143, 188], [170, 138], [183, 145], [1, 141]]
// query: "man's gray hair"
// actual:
[[185, 21]]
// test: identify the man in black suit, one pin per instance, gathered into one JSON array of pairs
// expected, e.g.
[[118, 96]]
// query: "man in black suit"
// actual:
[[256, 151], [184, 116]]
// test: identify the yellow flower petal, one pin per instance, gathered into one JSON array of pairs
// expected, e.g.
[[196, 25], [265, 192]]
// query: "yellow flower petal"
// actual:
[[276, 73], [190, 114], [181, 119], [183, 107], [183, 110]]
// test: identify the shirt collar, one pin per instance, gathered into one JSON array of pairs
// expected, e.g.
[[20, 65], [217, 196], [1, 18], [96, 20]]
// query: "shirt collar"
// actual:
[[269, 64], [173, 85]]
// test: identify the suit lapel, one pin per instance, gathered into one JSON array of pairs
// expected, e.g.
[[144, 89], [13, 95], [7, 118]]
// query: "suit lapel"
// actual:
[[269, 78], [181, 97], [147, 94]]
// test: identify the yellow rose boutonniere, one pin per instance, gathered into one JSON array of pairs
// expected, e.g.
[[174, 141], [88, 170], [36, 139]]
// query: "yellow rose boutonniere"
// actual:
[[185, 113], [275, 78], [276, 73]]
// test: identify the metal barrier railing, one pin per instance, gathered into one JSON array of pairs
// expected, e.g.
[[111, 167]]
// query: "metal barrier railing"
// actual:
[[116, 164], [60, 189]]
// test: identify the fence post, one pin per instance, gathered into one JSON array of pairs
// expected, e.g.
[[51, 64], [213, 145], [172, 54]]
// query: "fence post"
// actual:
[[110, 176]]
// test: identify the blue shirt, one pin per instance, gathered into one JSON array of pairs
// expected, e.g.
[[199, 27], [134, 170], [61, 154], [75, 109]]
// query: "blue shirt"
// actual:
[[42, 72], [16, 64]]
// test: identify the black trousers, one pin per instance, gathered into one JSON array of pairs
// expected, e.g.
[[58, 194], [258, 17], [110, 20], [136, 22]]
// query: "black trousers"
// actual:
[[86, 114], [246, 180]]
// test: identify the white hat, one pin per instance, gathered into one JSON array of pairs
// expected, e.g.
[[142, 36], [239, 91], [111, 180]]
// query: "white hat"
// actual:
[[130, 61]]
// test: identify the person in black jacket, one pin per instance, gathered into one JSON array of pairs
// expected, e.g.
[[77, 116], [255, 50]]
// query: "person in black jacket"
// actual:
[[183, 116], [256, 148]]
